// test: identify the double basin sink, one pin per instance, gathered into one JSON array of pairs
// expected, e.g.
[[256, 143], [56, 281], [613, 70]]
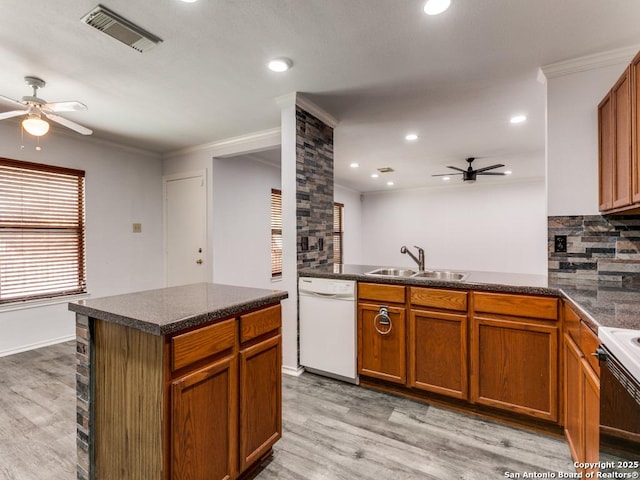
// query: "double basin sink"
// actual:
[[426, 274]]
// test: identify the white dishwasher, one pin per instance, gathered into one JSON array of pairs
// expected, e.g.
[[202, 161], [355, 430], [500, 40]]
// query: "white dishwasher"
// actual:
[[328, 327]]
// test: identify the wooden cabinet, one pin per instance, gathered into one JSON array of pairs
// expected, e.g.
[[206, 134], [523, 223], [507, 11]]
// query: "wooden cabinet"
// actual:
[[203, 420], [605, 153], [438, 355], [514, 353], [618, 155], [382, 332], [260, 399], [226, 396], [635, 132], [581, 389]]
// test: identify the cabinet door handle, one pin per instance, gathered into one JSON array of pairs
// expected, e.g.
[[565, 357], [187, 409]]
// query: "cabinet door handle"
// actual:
[[383, 318]]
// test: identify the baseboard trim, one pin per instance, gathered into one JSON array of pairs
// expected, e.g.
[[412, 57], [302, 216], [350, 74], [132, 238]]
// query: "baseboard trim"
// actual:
[[33, 346], [293, 371]]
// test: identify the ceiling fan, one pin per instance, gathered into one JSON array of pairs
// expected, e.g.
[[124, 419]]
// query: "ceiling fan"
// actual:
[[35, 108], [469, 175]]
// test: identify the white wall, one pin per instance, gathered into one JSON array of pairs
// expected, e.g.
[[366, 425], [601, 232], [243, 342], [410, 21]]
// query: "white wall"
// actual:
[[242, 221], [123, 186], [499, 228], [352, 223], [572, 139]]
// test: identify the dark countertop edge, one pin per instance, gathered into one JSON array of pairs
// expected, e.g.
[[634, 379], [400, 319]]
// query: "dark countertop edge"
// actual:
[[590, 321], [427, 282], [183, 323]]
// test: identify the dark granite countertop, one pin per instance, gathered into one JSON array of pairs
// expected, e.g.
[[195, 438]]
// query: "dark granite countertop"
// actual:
[[170, 310], [602, 304]]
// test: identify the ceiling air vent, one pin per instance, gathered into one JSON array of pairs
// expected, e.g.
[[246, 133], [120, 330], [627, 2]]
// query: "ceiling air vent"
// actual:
[[386, 170], [120, 28]]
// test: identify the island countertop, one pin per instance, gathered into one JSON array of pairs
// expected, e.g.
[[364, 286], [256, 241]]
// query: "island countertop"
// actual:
[[170, 310], [603, 304]]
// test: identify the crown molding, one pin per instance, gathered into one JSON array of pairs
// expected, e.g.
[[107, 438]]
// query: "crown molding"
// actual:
[[589, 62], [298, 99], [252, 142]]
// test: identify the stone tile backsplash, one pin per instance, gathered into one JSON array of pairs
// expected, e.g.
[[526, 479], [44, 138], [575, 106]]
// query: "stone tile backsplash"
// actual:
[[599, 248], [314, 190]]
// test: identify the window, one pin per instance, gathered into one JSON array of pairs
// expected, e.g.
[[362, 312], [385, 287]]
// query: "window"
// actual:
[[41, 231], [338, 232], [276, 233]]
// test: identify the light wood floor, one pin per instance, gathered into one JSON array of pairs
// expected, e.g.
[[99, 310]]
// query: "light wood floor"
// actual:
[[332, 431]]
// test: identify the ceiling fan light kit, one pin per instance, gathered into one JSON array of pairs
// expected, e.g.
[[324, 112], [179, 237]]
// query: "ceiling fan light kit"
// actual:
[[34, 125], [34, 108]]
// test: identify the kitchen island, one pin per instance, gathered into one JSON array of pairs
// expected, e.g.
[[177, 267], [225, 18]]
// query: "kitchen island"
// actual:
[[178, 383]]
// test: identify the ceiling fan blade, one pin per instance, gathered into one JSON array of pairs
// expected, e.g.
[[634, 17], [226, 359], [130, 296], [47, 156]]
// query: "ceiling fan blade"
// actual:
[[445, 174], [484, 169], [12, 102], [456, 168], [69, 124], [13, 113], [490, 173], [72, 106]]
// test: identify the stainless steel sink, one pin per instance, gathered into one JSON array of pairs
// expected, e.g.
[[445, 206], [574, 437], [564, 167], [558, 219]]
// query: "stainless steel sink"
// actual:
[[392, 272], [441, 275], [428, 274]]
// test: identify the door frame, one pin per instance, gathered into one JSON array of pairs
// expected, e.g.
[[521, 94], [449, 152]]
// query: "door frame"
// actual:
[[182, 176]]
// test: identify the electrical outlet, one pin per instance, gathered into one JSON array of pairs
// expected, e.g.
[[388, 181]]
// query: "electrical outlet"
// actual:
[[560, 244]]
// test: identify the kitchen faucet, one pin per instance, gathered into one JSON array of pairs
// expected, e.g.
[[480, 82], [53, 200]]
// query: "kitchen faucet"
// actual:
[[419, 260]]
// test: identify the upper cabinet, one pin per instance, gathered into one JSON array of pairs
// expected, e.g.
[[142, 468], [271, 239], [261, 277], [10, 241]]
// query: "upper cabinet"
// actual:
[[619, 159]]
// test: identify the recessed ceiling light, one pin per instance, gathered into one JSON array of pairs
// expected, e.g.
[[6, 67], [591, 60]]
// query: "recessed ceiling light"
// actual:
[[390, 183], [446, 179], [518, 119], [189, 1], [436, 7], [411, 137], [280, 65], [508, 172], [374, 175], [354, 165]]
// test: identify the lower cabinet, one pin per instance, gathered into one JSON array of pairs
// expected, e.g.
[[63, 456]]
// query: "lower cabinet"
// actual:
[[438, 354], [581, 391], [225, 396], [204, 413], [514, 354], [260, 399], [382, 342]]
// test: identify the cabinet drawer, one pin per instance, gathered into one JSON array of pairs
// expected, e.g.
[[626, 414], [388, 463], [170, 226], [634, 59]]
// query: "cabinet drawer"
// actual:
[[381, 293], [438, 298], [545, 308], [254, 324], [202, 343], [588, 344]]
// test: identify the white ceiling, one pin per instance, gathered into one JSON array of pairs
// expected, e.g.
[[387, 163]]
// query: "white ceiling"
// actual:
[[381, 67]]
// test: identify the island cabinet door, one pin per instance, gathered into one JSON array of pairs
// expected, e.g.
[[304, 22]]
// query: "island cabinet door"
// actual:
[[382, 342], [203, 423], [260, 399]]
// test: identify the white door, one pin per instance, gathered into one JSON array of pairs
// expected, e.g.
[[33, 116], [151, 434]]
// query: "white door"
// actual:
[[186, 229]]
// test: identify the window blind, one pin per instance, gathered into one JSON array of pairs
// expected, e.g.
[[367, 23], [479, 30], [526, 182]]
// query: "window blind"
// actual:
[[42, 231], [338, 232], [276, 233]]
